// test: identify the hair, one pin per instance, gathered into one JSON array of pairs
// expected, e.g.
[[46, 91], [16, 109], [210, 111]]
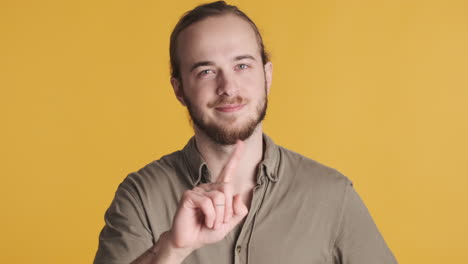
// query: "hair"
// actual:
[[199, 13]]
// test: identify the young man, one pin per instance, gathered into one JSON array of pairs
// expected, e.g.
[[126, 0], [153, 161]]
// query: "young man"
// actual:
[[232, 195]]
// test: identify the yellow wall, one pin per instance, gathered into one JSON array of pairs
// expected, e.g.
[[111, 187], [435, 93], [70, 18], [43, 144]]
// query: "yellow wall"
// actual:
[[375, 88]]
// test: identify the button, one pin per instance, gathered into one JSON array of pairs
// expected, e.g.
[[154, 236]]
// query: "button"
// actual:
[[238, 248]]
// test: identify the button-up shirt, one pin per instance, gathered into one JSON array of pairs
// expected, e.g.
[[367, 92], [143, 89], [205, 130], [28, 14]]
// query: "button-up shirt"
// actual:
[[301, 212]]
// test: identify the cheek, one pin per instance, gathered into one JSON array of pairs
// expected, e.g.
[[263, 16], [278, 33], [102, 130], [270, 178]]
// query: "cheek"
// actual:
[[255, 82], [198, 89], [200, 98]]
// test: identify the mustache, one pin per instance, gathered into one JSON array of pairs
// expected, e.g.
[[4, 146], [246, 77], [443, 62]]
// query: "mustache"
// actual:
[[226, 101]]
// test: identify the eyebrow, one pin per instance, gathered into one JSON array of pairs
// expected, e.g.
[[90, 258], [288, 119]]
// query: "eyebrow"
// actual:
[[209, 63], [241, 57]]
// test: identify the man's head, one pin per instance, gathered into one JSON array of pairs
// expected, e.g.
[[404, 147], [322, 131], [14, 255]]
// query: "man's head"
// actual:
[[220, 71], [202, 12]]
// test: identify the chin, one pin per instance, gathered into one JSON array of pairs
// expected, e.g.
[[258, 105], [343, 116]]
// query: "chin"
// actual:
[[229, 135]]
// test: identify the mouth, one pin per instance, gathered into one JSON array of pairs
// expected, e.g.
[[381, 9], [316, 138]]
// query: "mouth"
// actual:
[[228, 108]]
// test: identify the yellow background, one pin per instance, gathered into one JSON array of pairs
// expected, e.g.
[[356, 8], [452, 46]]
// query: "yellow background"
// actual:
[[375, 88]]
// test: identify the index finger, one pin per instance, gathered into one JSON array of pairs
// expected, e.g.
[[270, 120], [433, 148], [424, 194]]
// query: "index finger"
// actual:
[[228, 170]]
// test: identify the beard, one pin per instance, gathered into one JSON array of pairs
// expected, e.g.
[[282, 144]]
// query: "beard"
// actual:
[[224, 132]]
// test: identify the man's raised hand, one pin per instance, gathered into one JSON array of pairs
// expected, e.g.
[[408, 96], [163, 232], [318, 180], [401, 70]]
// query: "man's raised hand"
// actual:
[[209, 211]]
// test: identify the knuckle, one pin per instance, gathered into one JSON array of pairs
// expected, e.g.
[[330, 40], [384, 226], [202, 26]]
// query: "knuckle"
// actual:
[[227, 189], [186, 195], [206, 202], [197, 189], [218, 197]]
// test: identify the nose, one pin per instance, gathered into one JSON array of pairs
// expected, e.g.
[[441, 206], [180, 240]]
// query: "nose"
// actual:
[[227, 85]]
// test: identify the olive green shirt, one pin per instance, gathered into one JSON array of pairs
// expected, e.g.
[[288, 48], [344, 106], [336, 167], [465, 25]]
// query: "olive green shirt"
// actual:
[[301, 212]]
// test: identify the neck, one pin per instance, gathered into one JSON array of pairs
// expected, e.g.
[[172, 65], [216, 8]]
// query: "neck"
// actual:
[[217, 155]]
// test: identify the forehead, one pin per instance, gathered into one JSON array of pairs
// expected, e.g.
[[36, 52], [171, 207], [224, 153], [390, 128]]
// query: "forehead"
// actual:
[[217, 38]]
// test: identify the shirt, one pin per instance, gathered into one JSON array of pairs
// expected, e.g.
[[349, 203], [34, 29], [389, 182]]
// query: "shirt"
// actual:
[[301, 212]]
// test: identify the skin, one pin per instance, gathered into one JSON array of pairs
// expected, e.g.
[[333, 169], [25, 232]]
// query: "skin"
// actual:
[[235, 69]]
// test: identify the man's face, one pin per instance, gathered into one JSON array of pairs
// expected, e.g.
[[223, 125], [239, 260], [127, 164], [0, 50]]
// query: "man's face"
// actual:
[[224, 83]]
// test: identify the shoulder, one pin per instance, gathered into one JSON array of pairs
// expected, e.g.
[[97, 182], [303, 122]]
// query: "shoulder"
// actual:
[[312, 174], [161, 173]]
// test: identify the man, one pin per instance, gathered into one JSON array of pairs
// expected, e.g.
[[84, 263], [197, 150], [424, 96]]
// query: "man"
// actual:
[[232, 195]]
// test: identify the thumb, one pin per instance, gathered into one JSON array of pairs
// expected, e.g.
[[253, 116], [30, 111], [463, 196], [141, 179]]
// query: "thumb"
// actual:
[[240, 211]]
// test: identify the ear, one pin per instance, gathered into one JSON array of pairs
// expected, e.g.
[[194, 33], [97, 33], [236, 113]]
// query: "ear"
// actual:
[[268, 75], [178, 91]]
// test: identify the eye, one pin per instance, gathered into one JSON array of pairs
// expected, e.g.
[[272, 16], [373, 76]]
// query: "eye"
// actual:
[[205, 72], [242, 66]]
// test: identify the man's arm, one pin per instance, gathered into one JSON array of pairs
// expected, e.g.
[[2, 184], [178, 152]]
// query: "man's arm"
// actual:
[[359, 241], [126, 234], [163, 252], [127, 237]]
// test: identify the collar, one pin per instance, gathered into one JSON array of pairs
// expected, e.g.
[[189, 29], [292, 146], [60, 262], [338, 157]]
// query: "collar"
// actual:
[[199, 171]]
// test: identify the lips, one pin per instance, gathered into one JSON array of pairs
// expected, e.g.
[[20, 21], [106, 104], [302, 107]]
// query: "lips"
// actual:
[[229, 108]]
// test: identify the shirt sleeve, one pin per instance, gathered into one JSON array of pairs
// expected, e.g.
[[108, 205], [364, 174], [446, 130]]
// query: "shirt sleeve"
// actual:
[[359, 241], [126, 234]]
